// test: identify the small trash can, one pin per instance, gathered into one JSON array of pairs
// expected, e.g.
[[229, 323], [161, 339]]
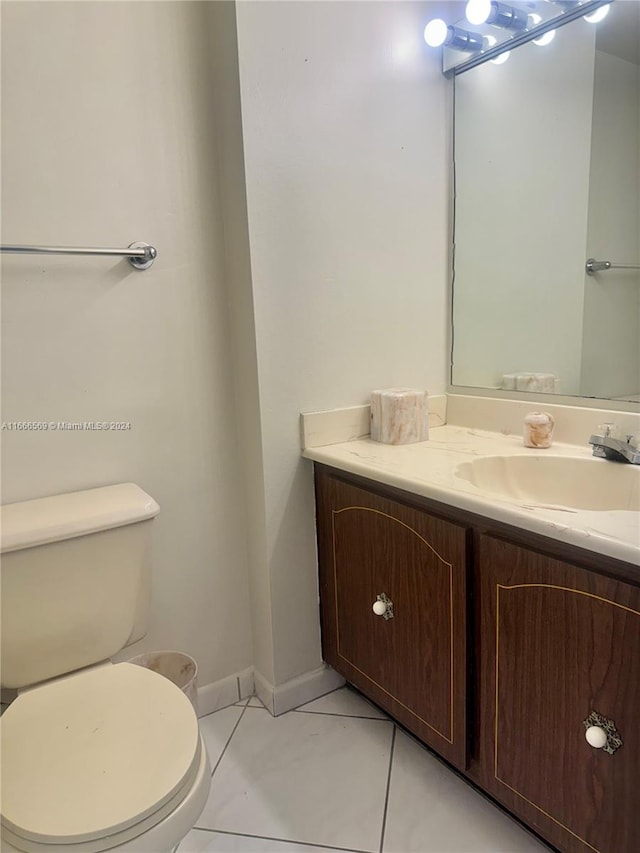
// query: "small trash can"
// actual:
[[179, 668]]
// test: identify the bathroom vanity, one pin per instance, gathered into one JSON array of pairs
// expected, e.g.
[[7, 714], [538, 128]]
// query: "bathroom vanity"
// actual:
[[499, 632]]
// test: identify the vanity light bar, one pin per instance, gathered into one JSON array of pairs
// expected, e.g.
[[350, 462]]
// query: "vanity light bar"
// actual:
[[532, 30]]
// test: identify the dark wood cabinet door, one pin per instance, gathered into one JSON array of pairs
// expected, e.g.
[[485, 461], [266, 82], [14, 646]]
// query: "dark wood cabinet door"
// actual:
[[558, 643], [412, 664]]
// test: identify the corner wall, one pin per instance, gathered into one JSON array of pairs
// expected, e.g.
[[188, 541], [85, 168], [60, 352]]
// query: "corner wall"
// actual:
[[237, 262], [345, 124]]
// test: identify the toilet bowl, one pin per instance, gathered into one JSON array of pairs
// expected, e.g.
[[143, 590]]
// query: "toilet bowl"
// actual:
[[95, 755]]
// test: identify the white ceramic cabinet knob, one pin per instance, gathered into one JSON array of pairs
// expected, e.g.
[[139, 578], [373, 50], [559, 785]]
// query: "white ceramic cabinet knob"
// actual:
[[379, 608], [596, 737]]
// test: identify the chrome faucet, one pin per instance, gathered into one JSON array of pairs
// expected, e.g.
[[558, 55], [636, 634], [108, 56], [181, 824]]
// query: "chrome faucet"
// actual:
[[617, 449]]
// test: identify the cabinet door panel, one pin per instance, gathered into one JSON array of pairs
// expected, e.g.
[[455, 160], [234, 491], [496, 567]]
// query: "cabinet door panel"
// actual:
[[412, 664], [559, 643]]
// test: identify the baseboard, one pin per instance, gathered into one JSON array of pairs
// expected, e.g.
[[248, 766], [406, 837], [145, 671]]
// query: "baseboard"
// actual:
[[305, 688], [227, 691]]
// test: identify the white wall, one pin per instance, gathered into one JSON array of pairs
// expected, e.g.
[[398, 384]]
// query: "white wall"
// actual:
[[345, 122], [336, 283], [611, 345], [108, 137], [523, 133]]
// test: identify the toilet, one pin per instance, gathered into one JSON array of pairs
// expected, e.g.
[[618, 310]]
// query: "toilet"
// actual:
[[95, 755]]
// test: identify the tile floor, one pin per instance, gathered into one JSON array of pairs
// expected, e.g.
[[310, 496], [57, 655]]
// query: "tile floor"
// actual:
[[337, 774]]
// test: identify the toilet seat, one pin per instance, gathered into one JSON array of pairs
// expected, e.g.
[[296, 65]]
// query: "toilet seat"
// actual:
[[96, 758]]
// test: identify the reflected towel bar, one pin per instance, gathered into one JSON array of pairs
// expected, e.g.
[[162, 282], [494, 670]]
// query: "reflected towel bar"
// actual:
[[598, 266], [139, 255]]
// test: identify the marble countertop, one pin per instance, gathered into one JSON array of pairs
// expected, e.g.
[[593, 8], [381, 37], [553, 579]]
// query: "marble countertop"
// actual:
[[428, 469]]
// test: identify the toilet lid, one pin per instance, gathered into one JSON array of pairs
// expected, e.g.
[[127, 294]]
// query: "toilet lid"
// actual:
[[94, 753]]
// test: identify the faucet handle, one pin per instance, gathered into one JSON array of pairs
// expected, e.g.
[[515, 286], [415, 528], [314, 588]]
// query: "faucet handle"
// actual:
[[608, 429]]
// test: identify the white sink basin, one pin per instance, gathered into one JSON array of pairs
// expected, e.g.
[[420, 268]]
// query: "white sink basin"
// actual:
[[565, 481]]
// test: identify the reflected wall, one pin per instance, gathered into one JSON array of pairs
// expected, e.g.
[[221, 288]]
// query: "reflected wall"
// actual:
[[546, 176]]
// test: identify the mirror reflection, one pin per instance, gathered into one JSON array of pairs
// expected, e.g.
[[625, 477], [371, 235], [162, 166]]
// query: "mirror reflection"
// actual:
[[547, 176]]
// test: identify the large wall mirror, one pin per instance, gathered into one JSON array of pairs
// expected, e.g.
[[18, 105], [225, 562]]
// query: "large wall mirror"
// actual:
[[547, 176]]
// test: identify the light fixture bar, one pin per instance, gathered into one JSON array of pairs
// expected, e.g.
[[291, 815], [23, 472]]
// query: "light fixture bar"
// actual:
[[527, 35]]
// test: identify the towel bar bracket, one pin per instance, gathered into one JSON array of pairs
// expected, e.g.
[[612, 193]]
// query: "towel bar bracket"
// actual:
[[145, 262], [592, 266]]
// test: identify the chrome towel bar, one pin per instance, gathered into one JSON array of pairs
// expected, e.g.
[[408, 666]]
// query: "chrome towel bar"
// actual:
[[139, 255], [598, 266]]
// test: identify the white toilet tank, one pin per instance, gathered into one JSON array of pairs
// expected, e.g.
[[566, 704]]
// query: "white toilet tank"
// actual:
[[76, 580]]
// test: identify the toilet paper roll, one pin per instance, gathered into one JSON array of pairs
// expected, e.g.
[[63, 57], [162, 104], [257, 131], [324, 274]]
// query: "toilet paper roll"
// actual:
[[399, 416]]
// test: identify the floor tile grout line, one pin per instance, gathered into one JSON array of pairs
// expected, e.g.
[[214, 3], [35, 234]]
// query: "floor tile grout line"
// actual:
[[233, 731], [337, 714], [314, 713], [386, 797], [244, 703], [283, 840]]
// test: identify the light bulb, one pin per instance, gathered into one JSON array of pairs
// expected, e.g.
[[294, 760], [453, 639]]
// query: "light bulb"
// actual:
[[499, 60], [597, 16], [496, 13], [545, 39], [435, 33], [534, 20], [477, 11]]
